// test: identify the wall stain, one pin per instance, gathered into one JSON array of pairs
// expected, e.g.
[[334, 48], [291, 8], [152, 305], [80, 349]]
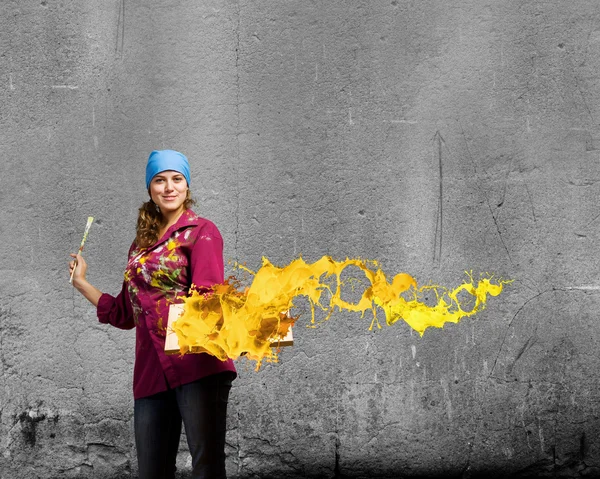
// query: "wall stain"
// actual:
[[29, 421]]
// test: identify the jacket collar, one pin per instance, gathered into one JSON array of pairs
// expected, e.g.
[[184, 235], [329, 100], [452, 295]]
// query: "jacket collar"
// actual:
[[188, 218]]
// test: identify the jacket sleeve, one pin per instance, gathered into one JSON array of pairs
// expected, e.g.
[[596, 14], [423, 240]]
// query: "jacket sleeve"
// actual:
[[206, 260], [117, 310]]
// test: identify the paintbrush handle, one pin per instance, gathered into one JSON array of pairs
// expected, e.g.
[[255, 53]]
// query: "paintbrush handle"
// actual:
[[90, 220], [73, 272]]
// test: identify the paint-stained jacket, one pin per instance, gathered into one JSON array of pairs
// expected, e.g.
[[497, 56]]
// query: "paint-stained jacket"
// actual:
[[189, 253]]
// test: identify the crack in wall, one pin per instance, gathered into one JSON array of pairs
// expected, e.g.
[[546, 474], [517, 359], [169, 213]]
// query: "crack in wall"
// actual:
[[482, 191], [510, 325], [472, 442], [336, 468], [4, 314], [237, 131], [530, 342], [239, 445]]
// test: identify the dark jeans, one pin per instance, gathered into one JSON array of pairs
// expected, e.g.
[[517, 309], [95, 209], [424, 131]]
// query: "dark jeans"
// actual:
[[202, 405]]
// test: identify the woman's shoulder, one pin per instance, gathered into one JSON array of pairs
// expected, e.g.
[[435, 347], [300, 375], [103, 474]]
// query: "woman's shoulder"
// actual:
[[204, 225]]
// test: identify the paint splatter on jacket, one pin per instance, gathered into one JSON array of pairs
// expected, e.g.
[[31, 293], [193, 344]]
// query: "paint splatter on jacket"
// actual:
[[189, 253]]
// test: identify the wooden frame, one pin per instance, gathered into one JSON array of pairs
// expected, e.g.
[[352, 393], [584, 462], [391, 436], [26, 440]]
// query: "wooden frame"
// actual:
[[172, 342]]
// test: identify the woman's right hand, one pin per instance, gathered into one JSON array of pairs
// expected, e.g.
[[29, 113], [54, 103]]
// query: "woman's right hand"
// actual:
[[91, 293], [80, 267]]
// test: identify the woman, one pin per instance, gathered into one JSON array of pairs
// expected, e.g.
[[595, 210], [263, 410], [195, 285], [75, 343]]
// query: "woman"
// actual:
[[174, 250]]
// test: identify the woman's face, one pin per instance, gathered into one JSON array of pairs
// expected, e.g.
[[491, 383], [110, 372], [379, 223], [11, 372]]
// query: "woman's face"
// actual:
[[168, 189]]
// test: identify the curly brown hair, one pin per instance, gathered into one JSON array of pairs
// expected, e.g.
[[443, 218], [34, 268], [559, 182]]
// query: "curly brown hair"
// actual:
[[150, 221]]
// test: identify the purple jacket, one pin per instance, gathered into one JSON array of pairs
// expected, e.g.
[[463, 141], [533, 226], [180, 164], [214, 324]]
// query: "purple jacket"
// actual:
[[189, 253]]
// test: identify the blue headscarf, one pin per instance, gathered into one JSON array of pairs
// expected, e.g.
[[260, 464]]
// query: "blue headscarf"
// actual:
[[163, 160]]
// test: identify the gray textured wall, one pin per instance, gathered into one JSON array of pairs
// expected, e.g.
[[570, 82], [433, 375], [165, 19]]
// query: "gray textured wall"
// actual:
[[435, 136]]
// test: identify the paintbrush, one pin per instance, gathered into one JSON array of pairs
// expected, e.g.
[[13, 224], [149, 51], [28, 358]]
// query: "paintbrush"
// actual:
[[90, 220]]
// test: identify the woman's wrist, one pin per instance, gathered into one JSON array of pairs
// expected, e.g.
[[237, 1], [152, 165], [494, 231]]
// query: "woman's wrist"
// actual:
[[80, 284], [90, 292]]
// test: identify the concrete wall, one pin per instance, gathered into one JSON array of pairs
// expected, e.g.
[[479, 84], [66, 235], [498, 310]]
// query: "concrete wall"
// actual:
[[435, 136]]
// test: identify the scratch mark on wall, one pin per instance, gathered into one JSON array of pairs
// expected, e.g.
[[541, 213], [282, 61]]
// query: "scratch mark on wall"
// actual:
[[336, 468], [531, 203], [528, 344], [583, 288], [510, 325], [482, 191], [541, 435], [594, 219], [584, 101], [583, 182], [582, 233], [447, 398], [590, 142], [491, 372], [238, 446], [503, 197], [4, 314]]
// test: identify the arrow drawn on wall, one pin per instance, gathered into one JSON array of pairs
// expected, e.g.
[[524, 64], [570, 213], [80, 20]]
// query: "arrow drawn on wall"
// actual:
[[439, 142]]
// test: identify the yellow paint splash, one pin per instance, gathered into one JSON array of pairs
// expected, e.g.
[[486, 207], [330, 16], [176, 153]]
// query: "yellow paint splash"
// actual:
[[228, 322]]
